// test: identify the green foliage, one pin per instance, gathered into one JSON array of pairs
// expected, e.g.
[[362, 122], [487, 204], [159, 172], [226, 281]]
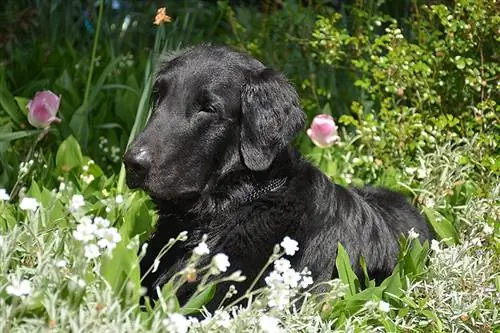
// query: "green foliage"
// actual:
[[431, 88], [346, 274]]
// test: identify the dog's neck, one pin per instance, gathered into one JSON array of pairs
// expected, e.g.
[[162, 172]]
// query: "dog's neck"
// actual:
[[234, 190]]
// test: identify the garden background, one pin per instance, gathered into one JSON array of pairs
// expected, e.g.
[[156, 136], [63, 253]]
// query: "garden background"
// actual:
[[413, 86]]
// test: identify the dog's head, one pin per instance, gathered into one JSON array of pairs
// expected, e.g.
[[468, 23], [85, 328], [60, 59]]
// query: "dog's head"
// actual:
[[215, 111]]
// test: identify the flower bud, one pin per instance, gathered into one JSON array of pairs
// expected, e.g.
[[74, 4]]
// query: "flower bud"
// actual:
[[42, 109], [323, 131]]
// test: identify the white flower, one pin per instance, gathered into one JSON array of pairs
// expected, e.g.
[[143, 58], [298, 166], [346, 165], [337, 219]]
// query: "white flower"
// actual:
[[4, 196], [176, 323], [421, 173], [289, 245], [384, 306], [412, 234], [281, 265], [269, 324], [291, 278], [19, 288], [87, 178], [77, 201], [183, 236], [85, 231], [61, 263], [487, 230], [237, 277], [410, 170], [221, 262], [435, 246], [119, 199], [476, 241], [110, 237], [306, 281], [1, 241], [193, 322], [91, 251], [201, 249], [222, 318], [274, 279], [29, 204], [101, 225], [429, 202], [279, 297]]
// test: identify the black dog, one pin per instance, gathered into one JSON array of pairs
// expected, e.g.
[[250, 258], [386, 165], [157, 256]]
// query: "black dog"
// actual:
[[216, 158]]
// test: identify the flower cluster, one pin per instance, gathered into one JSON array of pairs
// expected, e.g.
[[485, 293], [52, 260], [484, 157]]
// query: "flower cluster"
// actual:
[[284, 282], [220, 262], [96, 235], [19, 287], [112, 153], [86, 176], [4, 196]]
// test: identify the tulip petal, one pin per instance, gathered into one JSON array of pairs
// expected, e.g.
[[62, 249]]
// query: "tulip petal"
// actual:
[[42, 109], [323, 131]]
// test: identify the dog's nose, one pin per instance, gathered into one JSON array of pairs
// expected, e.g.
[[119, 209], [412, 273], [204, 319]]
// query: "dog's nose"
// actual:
[[137, 163]]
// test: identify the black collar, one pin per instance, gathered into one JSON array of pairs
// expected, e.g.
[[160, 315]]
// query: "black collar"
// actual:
[[270, 186]]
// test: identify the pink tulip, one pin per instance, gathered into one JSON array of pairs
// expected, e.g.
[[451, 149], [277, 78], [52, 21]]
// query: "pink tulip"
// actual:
[[323, 131], [42, 109]]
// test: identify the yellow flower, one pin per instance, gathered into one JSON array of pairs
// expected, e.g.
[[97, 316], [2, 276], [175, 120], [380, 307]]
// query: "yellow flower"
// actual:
[[161, 16]]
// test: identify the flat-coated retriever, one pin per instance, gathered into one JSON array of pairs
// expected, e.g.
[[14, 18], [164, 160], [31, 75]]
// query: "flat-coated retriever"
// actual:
[[216, 159]]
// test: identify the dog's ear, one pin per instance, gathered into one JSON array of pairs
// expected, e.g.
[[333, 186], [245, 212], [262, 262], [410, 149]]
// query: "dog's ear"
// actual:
[[271, 117]]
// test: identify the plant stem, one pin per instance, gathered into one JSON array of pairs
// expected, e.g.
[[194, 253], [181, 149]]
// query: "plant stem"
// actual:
[[94, 51], [17, 186]]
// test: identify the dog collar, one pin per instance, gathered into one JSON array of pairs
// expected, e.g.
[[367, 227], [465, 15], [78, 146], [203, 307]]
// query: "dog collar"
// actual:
[[271, 186]]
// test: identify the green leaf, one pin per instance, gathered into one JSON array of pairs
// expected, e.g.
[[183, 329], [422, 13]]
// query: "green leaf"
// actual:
[[198, 300], [419, 254], [432, 316], [368, 282], [79, 123], [346, 274], [168, 300], [392, 285], [35, 191], [443, 228], [121, 271], [22, 103], [69, 155], [17, 135], [8, 103], [137, 217]]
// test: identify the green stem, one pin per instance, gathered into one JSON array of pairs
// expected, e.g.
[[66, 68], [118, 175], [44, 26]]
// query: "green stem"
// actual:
[[94, 51], [249, 292], [17, 186]]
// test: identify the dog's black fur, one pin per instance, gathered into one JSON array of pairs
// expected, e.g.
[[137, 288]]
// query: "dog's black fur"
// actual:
[[217, 141]]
